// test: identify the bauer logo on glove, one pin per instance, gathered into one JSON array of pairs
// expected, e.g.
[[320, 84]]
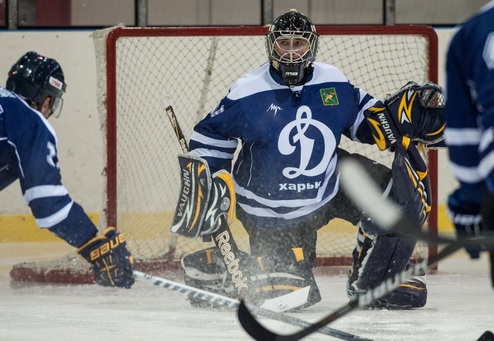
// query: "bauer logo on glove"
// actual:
[[110, 259], [415, 111], [106, 247]]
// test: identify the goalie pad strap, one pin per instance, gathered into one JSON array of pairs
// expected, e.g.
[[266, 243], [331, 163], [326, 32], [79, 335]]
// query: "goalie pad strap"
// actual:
[[411, 182], [222, 202]]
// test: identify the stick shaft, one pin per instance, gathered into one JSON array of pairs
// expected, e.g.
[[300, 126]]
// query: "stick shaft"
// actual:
[[233, 303]]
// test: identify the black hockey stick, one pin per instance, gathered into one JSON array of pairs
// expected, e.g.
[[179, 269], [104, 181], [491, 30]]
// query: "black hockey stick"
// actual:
[[487, 336], [261, 333], [232, 303]]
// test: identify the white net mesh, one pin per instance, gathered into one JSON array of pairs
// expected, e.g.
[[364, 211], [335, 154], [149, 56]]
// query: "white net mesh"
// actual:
[[154, 67]]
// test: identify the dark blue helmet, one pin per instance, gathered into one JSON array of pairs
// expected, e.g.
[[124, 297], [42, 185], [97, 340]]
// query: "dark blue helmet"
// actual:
[[35, 77], [291, 44]]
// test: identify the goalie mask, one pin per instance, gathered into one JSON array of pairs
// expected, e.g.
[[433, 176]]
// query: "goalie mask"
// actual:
[[35, 77], [291, 45]]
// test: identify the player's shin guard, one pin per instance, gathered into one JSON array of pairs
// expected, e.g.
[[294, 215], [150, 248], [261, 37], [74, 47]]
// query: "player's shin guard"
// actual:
[[377, 258]]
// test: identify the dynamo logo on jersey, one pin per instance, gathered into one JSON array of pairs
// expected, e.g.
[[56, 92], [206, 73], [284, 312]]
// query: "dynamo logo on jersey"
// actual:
[[304, 145]]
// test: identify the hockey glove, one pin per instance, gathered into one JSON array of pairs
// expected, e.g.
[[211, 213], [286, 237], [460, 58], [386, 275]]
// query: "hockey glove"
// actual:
[[414, 111], [110, 259], [467, 219]]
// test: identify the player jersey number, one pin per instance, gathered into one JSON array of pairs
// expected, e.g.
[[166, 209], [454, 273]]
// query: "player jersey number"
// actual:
[[52, 158]]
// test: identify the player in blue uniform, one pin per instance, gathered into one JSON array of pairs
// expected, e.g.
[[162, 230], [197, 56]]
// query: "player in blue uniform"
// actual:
[[28, 152], [470, 123], [288, 117]]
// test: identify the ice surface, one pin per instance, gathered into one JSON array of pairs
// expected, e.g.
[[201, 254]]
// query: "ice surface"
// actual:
[[460, 307]]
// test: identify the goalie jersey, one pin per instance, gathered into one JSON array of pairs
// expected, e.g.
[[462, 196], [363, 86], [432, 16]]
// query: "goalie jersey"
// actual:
[[470, 103], [288, 136], [28, 152]]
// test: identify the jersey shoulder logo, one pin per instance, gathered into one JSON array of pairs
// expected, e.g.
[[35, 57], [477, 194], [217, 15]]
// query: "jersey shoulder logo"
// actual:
[[329, 96]]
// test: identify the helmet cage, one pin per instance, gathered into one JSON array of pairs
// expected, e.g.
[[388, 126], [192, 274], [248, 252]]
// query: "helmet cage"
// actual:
[[302, 47]]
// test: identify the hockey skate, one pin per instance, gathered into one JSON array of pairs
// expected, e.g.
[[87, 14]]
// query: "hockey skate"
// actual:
[[409, 295], [205, 270]]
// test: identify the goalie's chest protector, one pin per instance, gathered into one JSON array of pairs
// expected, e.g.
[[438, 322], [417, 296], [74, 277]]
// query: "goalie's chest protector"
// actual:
[[290, 134]]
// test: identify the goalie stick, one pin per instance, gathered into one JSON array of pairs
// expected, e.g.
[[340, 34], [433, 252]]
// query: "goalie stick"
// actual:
[[176, 128], [223, 238], [183, 145], [232, 303], [226, 245]]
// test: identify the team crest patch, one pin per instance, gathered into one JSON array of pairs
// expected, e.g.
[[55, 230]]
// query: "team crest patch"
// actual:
[[329, 96]]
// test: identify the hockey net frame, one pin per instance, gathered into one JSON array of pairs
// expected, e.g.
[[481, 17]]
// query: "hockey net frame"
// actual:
[[108, 48]]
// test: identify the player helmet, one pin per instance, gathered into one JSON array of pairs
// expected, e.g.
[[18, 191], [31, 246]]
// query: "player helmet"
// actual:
[[291, 44], [35, 77]]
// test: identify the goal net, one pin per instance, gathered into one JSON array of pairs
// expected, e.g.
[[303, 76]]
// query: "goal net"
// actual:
[[143, 70]]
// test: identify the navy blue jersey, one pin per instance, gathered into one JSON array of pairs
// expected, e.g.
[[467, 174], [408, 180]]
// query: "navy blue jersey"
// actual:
[[28, 152], [470, 103], [287, 163]]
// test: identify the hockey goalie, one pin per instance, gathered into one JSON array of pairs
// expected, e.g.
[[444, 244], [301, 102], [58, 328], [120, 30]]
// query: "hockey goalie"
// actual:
[[286, 119]]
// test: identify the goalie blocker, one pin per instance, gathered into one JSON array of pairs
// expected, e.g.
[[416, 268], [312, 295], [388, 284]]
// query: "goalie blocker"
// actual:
[[203, 200], [415, 111]]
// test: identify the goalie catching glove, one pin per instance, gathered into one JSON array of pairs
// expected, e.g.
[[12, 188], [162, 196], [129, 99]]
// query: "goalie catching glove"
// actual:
[[415, 111], [204, 199], [110, 259]]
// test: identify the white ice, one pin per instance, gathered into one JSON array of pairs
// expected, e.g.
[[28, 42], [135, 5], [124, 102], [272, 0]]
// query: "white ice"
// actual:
[[460, 307]]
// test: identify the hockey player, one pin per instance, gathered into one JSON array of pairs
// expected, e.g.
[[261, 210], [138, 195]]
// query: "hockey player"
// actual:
[[288, 116], [28, 152], [470, 129]]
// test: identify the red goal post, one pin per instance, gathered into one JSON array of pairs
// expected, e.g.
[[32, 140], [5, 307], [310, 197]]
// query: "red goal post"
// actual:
[[141, 70]]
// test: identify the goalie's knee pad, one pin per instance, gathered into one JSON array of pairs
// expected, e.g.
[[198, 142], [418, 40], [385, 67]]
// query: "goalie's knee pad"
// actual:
[[377, 258], [286, 279], [205, 270]]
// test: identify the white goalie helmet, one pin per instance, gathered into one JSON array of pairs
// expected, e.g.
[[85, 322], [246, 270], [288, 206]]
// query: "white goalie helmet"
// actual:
[[291, 45]]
